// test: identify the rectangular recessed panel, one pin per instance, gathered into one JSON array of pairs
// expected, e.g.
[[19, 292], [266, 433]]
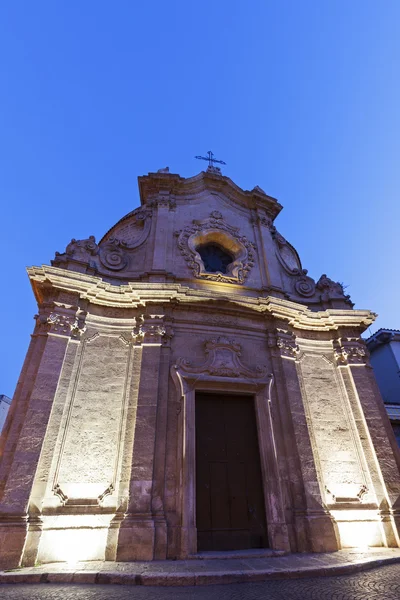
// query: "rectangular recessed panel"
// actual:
[[230, 512]]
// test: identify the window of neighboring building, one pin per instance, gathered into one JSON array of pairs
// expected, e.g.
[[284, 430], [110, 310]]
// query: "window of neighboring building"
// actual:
[[396, 429]]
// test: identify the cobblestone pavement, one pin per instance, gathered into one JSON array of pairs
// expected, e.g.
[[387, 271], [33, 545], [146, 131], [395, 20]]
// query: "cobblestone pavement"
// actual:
[[378, 584]]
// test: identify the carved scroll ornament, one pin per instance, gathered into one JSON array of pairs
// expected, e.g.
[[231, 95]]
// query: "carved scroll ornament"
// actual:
[[286, 254], [113, 254], [113, 251], [289, 259]]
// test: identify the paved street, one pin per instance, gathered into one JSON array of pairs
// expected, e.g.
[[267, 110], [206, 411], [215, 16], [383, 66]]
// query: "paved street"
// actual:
[[378, 584]]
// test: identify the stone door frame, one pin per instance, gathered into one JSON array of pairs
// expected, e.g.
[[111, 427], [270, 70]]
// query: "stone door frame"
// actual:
[[187, 385]]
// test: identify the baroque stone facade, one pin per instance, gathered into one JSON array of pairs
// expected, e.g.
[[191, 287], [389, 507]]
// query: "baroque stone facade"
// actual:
[[194, 295]]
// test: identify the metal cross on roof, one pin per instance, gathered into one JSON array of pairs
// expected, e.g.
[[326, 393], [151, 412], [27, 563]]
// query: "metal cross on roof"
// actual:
[[211, 161]]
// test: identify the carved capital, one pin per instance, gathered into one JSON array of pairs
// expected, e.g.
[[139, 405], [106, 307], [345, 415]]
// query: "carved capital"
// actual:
[[284, 342], [78, 327], [42, 326], [265, 221], [262, 219], [164, 199], [151, 329], [350, 351], [58, 321]]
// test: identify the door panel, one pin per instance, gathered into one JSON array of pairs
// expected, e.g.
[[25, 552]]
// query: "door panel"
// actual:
[[230, 511]]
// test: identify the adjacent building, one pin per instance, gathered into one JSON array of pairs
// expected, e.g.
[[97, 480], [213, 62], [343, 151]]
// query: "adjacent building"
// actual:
[[5, 402], [189, 387], [384, 348]]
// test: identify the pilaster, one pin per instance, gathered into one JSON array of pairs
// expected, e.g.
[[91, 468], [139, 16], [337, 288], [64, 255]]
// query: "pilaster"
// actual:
[[164, 203], [312, 526], [19, 406], [376, 434], [142, 534], [55, 326], [270, 269]]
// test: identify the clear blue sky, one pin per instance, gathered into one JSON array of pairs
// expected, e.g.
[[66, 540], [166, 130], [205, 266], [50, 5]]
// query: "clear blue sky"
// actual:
[[299, 97]]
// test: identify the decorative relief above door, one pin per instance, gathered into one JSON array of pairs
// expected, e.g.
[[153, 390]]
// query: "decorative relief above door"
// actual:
[[223, 360]]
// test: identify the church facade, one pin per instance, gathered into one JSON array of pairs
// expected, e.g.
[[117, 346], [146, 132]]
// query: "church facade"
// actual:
[[190, 388]]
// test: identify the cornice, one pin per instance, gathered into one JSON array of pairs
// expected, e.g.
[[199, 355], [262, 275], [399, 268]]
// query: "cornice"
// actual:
[[301, 317], [133, 294]]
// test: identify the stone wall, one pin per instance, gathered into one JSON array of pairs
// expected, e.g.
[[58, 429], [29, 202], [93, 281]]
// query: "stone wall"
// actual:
[[115, 475]]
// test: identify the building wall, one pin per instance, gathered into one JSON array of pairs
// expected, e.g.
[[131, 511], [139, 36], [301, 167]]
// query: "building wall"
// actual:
[[395, 346], [113, 478], [98, 457], [4, 408], [386, 369], [384, 347]]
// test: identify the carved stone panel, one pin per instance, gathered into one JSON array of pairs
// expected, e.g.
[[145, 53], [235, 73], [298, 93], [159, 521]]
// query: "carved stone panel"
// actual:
[[89, 451], [331, 431]]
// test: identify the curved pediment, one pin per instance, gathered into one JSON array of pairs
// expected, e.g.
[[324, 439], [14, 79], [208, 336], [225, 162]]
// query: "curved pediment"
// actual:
[[153, 185], [181, 222]]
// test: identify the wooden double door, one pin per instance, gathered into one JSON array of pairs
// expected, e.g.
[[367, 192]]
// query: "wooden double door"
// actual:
[[230, 513]]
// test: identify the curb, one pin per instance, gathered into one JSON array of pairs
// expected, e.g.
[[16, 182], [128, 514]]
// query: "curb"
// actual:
[[191, 578]]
